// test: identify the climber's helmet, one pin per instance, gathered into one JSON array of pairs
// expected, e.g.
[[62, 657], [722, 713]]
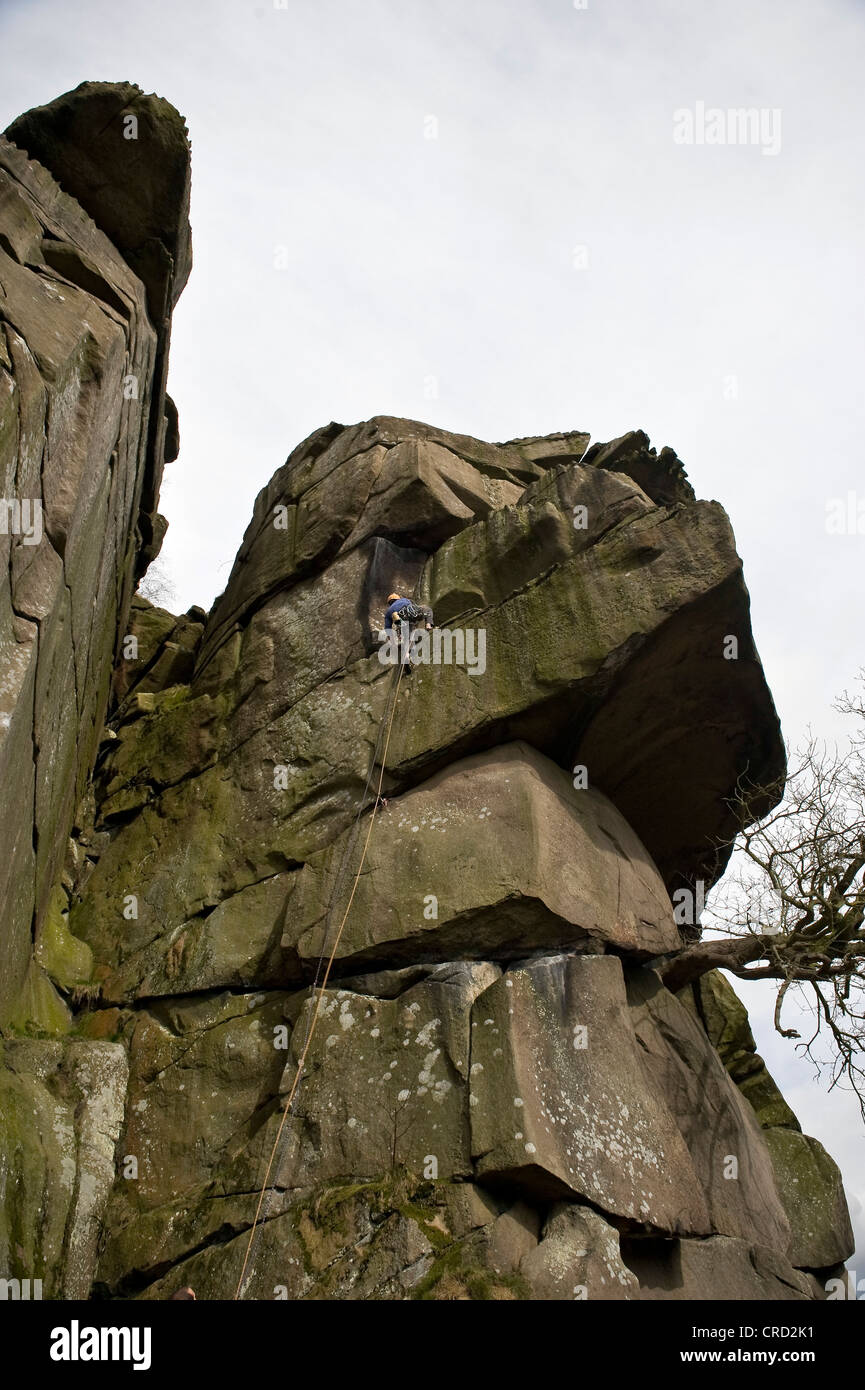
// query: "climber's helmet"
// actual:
[[392, 598]]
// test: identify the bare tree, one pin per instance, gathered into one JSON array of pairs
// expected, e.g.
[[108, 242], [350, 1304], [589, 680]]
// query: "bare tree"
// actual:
[[157, 586], [400, 1115], [792, 907]]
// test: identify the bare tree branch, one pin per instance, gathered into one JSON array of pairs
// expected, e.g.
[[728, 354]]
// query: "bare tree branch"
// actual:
[[792, 905]]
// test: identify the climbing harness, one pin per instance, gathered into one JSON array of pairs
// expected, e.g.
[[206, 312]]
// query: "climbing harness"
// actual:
[[408, 614]]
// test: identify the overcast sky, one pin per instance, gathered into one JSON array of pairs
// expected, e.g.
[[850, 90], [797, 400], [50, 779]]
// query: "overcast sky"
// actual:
[[474, 212]]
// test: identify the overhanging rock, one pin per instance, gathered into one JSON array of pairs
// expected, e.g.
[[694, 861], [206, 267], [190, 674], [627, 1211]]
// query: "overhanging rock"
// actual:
[[497, 856]]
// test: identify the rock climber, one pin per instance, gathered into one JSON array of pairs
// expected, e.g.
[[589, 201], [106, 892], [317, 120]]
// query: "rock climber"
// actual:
[[406, 612]]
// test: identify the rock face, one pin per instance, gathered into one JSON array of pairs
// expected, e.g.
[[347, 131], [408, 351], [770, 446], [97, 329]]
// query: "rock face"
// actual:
[[808, 1180], [499, 1098], [83, 412], [83, 354], [62, 1107]]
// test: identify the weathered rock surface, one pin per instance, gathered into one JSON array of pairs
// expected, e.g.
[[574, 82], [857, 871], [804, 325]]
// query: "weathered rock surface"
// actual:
[[61, 1112], [561, 1102], [720, 1269], [498, 1097], [586, 880], [725, 1020], [719, 1128], [387, 1080], [807, 1178], [83, 353], [123, 156], [810, 1187]]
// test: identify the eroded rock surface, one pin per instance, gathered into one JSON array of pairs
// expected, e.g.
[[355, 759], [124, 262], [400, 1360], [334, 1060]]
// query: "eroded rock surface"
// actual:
[[499, 1098], [86, 290], [83, 354]]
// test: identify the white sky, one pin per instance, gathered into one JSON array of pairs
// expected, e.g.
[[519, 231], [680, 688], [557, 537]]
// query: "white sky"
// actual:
[[452, 258]]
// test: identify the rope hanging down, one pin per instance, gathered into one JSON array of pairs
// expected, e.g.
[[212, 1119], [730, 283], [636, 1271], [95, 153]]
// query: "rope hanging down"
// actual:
[[323, 985]]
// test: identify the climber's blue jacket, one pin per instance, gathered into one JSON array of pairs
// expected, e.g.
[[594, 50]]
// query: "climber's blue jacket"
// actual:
[[393, 611]]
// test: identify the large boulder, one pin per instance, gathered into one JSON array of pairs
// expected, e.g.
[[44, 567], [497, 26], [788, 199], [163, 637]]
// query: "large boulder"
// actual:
[[496, 856], [810, 1186], [123, 156], [562, 1107], [386, 1082]]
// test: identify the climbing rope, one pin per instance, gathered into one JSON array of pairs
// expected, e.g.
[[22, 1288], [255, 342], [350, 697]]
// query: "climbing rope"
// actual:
[[319, 988]]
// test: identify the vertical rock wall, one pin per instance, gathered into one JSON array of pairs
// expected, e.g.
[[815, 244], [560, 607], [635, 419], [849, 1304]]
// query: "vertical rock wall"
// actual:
[[94, 249]]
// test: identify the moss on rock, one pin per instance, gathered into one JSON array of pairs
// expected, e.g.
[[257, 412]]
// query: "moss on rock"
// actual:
[[64, 958], [725, 1019], [39, 1011]]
